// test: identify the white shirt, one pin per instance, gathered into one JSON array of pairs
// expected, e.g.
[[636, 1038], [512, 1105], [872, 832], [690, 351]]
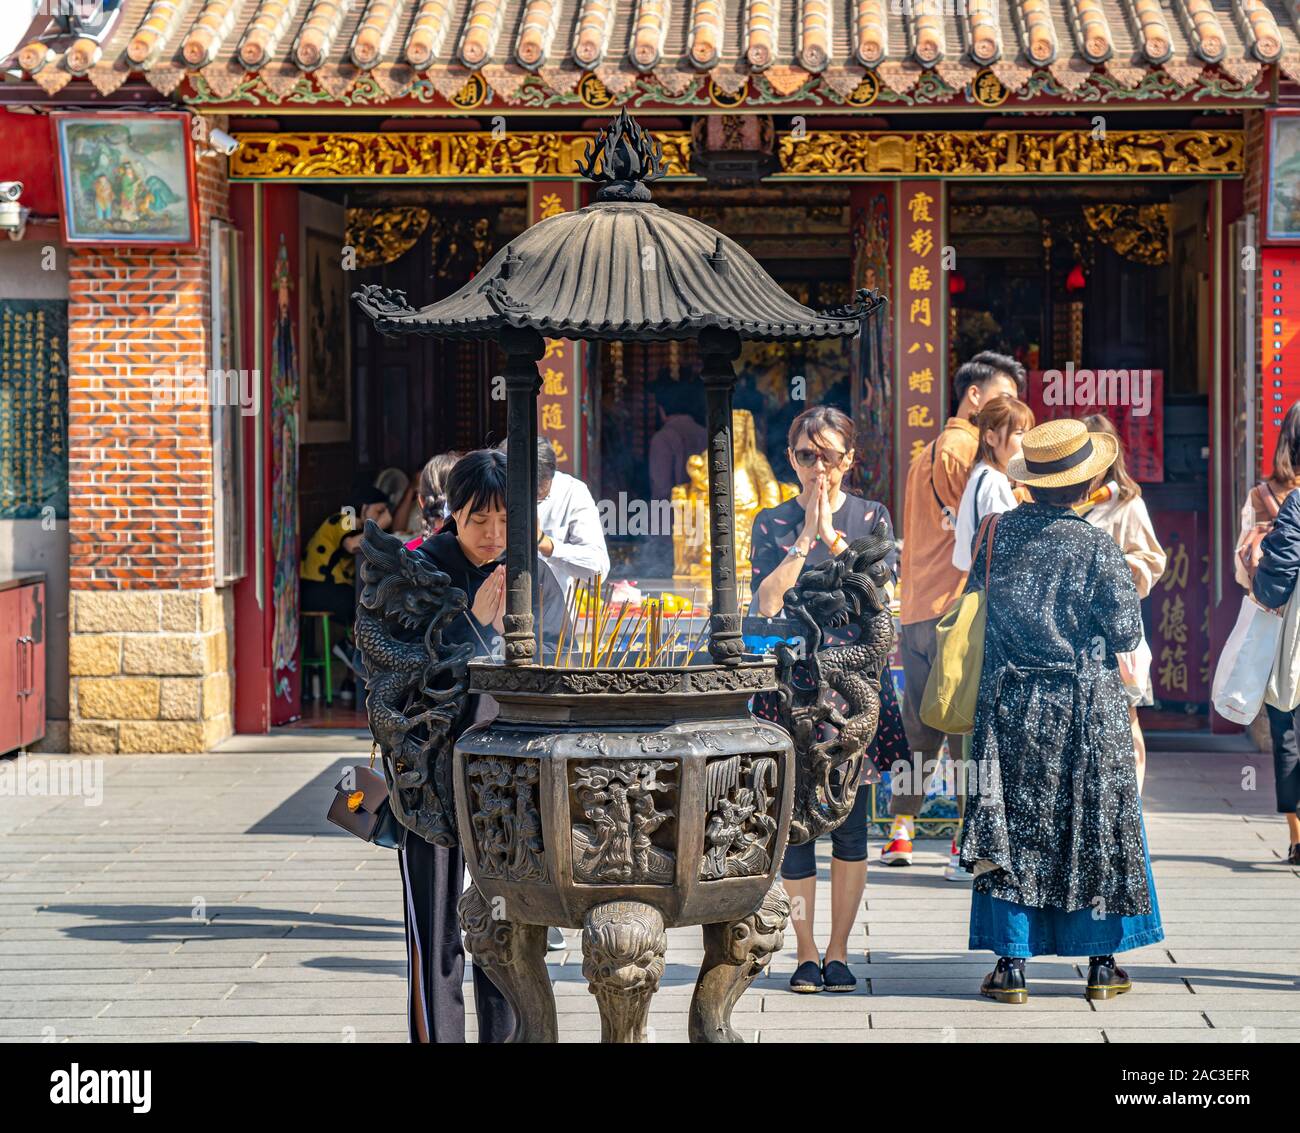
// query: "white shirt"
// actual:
[[988, 491], [570, 517]]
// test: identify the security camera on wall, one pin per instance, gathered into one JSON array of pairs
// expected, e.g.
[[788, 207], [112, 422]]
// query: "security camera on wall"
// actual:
[[13, 217], [217, 143], [222, 142]]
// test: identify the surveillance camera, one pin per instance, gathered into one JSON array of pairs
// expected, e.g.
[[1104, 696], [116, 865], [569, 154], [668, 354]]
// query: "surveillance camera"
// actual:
[[13, 219], [10, 190], [223, 143]]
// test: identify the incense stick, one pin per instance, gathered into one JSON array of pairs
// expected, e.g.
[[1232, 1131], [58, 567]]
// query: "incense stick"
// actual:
[[541, 620], [631, 636], [577, 607], [474, 626], [613, 635], [564, 629]]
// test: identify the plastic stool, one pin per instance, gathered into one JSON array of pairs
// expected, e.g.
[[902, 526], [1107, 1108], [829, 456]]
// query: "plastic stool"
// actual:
[[325, 660]]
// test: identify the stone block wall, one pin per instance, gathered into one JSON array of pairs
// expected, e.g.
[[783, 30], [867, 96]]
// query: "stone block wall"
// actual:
[[149, 670]]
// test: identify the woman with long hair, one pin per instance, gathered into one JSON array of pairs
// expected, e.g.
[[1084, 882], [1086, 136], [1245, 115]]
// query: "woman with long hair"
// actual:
[[468, 549], [431, 491], [1002, 422], [1124, 517], [1258, 518]]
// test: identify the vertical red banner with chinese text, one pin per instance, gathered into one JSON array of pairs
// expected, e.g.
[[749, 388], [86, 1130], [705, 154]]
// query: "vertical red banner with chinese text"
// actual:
[[872, 227], [1179, 610], [920, 307], [559, 406]]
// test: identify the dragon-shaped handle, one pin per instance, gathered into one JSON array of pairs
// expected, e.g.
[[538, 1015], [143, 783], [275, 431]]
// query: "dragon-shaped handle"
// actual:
[[830, 737], [416, 684]]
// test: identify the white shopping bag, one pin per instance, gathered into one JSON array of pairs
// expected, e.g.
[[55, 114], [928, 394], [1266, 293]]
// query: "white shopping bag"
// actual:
[[1284, 684], [1246, 664]]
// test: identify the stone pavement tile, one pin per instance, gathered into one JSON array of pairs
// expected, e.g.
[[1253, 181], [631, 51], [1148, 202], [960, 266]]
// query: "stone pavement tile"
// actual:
[[1266, 1016], [888, 991], [1241, 956], [26, 1010], [33, 1030], [323, 1007], [256, 1025], [1236, 981], [1050, 997], [1163, 1037], [1000, 1015], [125, 961]]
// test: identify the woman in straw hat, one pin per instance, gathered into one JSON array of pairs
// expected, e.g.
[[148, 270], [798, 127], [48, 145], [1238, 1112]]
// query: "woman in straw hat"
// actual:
[[1053, 831]]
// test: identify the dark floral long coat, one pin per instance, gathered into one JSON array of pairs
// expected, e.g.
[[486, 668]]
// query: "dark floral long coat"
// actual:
[[1055, 806]]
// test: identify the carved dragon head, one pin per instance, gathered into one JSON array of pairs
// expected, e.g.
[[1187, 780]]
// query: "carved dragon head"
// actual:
[[846, 588], [403, 586]]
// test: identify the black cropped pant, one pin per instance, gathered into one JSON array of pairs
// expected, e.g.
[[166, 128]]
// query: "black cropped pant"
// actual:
[[432, 880]]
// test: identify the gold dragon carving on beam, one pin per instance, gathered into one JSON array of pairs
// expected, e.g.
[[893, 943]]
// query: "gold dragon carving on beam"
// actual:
[[975, 153]]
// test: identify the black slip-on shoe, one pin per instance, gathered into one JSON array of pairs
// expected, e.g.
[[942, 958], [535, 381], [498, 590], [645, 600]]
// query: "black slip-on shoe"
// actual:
[[837, 976], [1106, 979], [807, 978], [1006, 983]]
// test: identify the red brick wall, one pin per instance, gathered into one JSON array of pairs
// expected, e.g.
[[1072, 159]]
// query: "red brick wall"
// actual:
[[140, 462]]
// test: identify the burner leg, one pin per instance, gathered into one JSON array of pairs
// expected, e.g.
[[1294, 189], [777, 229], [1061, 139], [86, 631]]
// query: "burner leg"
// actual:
[[514, 957], [734, 953], [623, 946]]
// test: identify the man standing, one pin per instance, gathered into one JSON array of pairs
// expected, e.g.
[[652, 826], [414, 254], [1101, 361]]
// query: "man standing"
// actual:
[[930, 582], [572, 540], [679, 436]]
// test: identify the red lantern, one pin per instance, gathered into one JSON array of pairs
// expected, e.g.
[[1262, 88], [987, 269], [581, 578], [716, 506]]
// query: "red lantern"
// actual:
[[956, 283], [1076, 281]]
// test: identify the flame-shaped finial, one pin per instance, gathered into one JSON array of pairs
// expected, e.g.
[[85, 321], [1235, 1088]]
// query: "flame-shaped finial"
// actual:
[[630, 158]]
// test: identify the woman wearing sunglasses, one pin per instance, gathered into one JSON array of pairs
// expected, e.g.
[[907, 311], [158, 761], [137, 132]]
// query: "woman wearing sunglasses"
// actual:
[[816, 525]]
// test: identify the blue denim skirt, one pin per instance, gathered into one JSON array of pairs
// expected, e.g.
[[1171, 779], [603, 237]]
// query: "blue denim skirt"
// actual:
[[1010, 929]]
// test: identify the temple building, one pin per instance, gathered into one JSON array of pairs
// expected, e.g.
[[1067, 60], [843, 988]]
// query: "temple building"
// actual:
[[1105, 189]]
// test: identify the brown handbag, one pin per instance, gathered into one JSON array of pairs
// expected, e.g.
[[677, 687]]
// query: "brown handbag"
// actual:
[[361, 806], [1265, 505]]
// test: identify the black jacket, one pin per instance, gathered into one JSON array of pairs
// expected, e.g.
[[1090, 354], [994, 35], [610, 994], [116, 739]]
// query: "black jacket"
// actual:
[[1280, 562], [444, 549]]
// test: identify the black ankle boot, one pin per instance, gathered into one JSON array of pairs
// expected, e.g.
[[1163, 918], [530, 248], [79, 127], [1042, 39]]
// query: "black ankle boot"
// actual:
[[1006, 983], [1106, 979]]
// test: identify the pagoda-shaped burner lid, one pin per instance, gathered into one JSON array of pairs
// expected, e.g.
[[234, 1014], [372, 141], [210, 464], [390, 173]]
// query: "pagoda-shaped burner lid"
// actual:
[[620, 269]]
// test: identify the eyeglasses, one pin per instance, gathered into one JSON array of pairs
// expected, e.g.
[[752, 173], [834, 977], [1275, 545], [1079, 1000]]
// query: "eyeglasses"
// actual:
[[808, 457]]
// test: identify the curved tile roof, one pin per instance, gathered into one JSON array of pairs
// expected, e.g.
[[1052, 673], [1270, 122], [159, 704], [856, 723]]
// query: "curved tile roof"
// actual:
[[336, 40]]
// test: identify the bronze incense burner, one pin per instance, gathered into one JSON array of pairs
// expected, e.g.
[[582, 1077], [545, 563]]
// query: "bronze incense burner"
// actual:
[[621, 801]]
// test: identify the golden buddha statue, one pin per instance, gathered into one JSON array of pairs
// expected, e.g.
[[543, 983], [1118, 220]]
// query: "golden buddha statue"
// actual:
[[692, 557], [755, 488]]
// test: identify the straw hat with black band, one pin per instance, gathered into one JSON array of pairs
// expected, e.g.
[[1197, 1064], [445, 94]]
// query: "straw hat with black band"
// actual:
[[1057, 454]]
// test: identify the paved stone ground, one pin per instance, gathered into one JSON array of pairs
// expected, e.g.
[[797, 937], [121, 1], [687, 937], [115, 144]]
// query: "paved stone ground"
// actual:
[[207, 898]]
